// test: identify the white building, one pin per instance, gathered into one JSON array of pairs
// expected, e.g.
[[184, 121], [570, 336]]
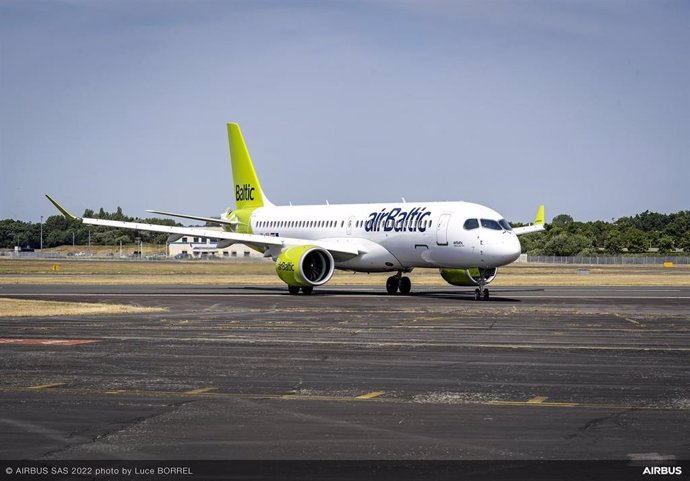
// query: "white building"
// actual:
[[205, 248]]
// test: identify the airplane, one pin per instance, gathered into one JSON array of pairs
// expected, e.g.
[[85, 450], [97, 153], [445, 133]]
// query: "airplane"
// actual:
[[467, 242]]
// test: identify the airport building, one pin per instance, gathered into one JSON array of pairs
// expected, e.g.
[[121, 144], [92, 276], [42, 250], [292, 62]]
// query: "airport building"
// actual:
[[189, 247]]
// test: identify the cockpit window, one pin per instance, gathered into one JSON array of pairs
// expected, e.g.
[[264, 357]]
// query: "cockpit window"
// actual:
[[504, 224], [471, 224], [491, 224]]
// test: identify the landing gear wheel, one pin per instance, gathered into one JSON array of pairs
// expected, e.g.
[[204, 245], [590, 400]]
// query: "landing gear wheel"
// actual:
[[293, 290], [392, 284], [486, 294], [477, 295], [307, 290], [405, 285]]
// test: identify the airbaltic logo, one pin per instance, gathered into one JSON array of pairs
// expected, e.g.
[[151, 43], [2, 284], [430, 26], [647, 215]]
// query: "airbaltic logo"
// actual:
[[285, 266], [398, 220], [244, 192]]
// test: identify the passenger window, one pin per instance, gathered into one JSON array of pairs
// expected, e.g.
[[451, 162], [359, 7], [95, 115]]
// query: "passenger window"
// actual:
[[471, 224], [491, 224]]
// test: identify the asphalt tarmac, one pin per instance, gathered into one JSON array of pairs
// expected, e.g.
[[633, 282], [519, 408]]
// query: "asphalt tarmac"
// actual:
[[253, 373]]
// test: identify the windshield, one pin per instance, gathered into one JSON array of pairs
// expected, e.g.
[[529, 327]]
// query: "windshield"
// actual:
[[471, 224], [504, 223], [491, 224]]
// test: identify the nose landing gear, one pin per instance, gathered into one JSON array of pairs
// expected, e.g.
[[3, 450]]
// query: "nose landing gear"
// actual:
[[482, 292], [398, 283]]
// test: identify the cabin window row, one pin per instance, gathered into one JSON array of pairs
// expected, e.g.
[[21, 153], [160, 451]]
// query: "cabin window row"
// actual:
[[299, 223], [332, 223]]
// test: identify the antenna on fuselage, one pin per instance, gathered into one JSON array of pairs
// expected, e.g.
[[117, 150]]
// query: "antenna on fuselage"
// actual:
[[404, 201]]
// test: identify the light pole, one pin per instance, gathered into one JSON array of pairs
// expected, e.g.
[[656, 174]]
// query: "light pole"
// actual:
[[41, 233]]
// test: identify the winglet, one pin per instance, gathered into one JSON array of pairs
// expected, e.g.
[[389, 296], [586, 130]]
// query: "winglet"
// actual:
[[539, 218], [60, 208], [537, 226]]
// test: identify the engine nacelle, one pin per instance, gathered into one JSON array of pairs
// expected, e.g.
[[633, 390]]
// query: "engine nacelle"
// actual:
[[305, 266], [468, 277]]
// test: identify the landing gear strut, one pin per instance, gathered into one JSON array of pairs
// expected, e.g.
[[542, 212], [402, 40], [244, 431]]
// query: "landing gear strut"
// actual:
[[398, 283], [482, 292]]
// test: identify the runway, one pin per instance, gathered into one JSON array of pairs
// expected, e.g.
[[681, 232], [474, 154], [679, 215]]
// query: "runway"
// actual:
[[253, 373]]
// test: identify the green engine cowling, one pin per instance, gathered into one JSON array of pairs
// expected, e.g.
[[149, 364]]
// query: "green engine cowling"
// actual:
[[468, 277], [305, 266]]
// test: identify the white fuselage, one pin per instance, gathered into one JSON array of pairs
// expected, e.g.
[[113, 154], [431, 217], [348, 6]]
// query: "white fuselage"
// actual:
[[398, 236]]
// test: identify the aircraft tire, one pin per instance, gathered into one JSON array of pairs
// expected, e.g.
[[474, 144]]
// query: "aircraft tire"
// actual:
[[293, 290], [307, 290], [392, 285], [486, 294], [477, 295], [405, 285]]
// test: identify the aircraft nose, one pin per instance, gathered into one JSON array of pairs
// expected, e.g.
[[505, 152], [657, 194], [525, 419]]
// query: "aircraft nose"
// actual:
[[514, 247], [509, 249]]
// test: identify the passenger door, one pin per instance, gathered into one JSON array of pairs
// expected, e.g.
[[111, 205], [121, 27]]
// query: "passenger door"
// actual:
[[442, 229], [348, 227]]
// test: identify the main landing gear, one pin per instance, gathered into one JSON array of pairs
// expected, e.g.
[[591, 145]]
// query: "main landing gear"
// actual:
[[398, 283], [294, 290]]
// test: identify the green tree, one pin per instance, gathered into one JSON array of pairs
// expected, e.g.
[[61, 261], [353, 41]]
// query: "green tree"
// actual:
[[562, 220], [635, 240], [665, 244], [614, 244], [566, 245]]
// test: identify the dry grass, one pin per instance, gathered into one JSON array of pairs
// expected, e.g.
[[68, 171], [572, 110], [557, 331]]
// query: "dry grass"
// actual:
[[22, 308], [28, 271]]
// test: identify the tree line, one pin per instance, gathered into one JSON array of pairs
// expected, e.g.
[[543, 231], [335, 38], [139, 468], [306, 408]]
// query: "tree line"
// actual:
[[564, 236], [639, 234], [58, 231]]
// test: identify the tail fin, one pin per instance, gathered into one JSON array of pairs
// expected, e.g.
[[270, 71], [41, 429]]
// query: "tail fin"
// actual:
[[248, 191]]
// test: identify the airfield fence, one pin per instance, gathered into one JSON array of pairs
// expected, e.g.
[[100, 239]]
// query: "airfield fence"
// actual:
[[596, 260]]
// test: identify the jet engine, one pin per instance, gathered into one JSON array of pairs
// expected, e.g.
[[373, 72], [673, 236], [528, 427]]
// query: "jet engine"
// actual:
[[305, 266], [468, 277]]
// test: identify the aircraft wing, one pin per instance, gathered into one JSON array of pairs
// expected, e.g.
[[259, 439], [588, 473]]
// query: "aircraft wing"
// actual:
[[195, 217], [537, 226], [336, 248], [528, 229]]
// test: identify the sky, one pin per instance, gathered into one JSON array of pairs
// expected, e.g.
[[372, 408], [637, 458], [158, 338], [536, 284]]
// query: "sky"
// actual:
[[583, 106]]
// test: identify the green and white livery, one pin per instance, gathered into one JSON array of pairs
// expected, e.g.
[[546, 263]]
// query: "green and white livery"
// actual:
[[467, 242]]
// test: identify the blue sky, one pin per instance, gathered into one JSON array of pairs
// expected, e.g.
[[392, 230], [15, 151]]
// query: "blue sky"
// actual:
[[583, 106]]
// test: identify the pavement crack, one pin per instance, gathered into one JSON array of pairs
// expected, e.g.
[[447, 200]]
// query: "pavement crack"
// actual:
[[118, 427], [615, 419]]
